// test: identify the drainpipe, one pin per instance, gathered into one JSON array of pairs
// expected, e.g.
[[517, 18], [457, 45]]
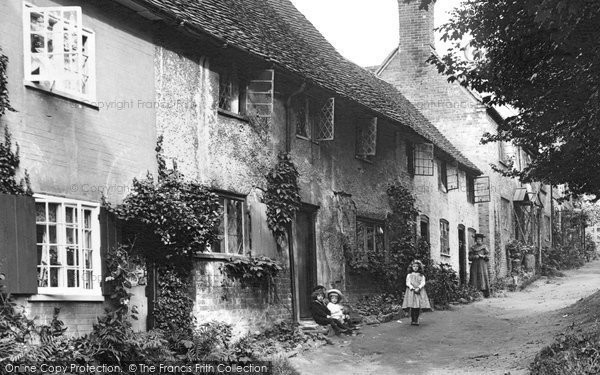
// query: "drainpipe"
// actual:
[[288, 117]]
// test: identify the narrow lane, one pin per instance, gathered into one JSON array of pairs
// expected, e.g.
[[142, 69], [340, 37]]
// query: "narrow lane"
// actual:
[[492, 336]]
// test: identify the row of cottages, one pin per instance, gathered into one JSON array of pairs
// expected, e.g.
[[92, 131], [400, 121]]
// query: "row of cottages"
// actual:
[[512, 210], [94, 84]]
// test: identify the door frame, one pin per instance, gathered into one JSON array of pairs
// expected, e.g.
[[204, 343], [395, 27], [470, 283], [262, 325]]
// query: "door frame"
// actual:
[[462, 255]]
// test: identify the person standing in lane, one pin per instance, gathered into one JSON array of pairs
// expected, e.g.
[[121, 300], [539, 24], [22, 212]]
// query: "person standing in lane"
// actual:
[[415, 296], [479, 256]]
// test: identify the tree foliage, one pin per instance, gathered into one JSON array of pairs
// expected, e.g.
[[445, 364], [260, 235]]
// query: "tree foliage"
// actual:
[[541, 58]]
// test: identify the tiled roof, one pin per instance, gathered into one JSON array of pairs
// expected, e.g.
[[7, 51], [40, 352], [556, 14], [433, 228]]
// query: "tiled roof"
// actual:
[[275, 30]]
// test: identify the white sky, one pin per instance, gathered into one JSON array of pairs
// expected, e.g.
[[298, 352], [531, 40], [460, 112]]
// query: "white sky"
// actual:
[[363, 31]]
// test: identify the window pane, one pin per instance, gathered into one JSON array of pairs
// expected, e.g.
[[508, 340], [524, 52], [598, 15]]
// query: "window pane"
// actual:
[[87, 219], [72, 256], [43, 276], [379, 238], [234, 227], [40, 212], [72, 278], [53, 277], [41, 234], [87, 279], [87, 238], [52, 233], [370, 239], [53, 252], [72, 236], [52, 210], [88, 259]]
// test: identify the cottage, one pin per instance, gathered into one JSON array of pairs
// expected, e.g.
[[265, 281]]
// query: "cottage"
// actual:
[[229, 86], [507, 208]]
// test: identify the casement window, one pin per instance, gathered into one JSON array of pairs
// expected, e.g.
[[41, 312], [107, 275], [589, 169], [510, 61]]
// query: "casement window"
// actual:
[[444, 237], [232, 233], [423, 159], [453, 176], [314, 118], [232, 92], [482, 189], [68, 246], [505, 153], [424, 227], [59, 53], [366, 138], [369, 236], [410, 158], [470, 189], [443, 175]]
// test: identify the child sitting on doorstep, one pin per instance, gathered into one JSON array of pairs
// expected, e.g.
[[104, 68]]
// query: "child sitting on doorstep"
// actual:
[[337, 310]]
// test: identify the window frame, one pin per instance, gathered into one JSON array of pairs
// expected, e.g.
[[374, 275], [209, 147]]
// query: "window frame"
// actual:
[[90, 46], [443, 175], [424, 219], [96, 269], [445, 237], [470, 182], [238, 96], [224, 241], [375, 224]]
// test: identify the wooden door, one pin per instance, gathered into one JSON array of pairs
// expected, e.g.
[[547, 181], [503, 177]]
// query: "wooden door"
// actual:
[[305, 259], [462, 255]]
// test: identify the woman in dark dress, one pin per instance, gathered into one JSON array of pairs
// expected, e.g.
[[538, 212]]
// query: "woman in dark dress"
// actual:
[[479, 257], [322, 315]]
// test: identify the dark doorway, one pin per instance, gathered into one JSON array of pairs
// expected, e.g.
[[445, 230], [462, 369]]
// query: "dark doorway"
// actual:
[[305, 258], [462, 255]]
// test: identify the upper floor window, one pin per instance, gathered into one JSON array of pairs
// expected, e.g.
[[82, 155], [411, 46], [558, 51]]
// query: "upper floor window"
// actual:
[[366, 138], [232, 93], [59, 51], [443, 175], [232, 235], [444, 237], [423, 159], [470, 189], [68, 246], [314, 118]]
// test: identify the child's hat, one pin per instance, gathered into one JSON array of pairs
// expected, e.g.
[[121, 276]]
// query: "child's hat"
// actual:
[[479, 235], [335, 291]]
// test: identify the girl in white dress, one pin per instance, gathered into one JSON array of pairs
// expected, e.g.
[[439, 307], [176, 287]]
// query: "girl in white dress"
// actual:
[[415, 297]]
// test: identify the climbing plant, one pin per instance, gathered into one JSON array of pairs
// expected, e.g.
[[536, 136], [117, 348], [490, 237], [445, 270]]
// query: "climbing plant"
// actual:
[[168, 221], [173, 217], [9, 159], [282, 196], [252, 270], [390, 266], [4, 101]]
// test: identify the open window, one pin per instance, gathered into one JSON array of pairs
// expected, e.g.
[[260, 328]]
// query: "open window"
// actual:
[[443, 175], [369, 236], [366, 138], [482, 189], [59, 54], [452, 177], [314, 118]]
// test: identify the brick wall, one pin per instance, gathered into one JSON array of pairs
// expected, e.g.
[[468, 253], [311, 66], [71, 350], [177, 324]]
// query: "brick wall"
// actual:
[[246, 307]]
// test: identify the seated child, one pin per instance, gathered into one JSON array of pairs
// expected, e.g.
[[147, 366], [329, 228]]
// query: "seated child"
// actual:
[[334, 306], [322, 315]]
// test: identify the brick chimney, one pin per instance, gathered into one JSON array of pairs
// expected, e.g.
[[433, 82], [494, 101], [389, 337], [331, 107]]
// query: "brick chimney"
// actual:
[[416, 34]]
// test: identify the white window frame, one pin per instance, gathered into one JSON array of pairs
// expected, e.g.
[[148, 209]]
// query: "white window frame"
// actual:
[[96, 289], [445, 238], [52, 86]]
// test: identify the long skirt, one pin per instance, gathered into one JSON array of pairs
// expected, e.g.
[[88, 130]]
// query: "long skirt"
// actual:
[[415, 300], [480, 278]]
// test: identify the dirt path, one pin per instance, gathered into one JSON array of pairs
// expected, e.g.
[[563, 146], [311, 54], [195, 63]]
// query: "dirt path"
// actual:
[[493, 336]]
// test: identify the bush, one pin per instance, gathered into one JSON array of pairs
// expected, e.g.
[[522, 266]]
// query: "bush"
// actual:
[[443, 285], [571, 353], [380, 304]]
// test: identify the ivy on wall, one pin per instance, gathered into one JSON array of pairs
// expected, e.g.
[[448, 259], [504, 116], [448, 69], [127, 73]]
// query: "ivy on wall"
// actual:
[[282, 196], [4, 101], [168, 221], [9, 159]]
